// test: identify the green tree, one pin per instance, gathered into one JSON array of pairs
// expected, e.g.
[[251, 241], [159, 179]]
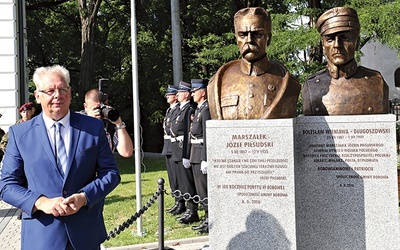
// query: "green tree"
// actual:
[[55, 36]]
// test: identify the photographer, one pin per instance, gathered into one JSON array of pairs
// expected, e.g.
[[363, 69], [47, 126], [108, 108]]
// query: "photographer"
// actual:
[[117, 135]]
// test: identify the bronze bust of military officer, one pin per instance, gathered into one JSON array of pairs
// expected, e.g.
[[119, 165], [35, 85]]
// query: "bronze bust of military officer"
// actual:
[[343, 88], [252, 87]]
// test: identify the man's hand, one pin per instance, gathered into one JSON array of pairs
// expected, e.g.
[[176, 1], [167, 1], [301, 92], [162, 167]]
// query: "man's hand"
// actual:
[[94, 112], [186, 163], [59, 206], [118, 122], [203, 167], [52, 206], [75, 202]]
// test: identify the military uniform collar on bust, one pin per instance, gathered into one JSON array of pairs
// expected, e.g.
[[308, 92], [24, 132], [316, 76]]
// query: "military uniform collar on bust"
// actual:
[[256, 68], [345, 71]]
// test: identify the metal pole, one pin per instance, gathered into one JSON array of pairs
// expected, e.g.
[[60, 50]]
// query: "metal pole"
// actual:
[[22, 52], [176, 42], [161, 214], [136, 118]]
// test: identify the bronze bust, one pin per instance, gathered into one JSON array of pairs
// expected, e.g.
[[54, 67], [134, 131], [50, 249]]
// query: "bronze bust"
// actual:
[[252, 87], [343, 88]]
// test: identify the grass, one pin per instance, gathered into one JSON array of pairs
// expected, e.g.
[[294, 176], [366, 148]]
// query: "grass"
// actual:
[[120, 205]]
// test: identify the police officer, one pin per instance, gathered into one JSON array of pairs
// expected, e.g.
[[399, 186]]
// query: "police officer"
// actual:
[[172, 100], [198, 153], [181, 152], [343, 88]]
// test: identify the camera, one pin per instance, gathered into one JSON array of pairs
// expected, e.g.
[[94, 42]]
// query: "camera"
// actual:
[[106, 111]]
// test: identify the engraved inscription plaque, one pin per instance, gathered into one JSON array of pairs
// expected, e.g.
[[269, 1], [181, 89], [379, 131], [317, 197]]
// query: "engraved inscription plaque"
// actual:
[[251, 184], [346, 184]]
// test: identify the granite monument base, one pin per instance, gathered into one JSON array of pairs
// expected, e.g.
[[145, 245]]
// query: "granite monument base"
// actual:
[[346, 182], [251, 184]]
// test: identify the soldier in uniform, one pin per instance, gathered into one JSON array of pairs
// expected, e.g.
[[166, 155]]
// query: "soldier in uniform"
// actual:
[[181, 152], [252, 87], [172, 100], [26, 111], [198, 153], [343, 88]]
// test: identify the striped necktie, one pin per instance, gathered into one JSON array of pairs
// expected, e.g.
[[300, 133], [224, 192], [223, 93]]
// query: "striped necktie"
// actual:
[[60, 151]]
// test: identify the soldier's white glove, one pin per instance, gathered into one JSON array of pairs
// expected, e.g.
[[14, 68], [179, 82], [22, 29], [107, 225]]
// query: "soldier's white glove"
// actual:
[[186, 163], [203, 167]]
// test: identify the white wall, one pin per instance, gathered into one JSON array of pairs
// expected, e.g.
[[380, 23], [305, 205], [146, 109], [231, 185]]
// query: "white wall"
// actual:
[[379, 57], [9, 99]]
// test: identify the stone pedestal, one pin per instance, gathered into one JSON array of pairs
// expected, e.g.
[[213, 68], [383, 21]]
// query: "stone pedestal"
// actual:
[[346, 182], [251, 184]]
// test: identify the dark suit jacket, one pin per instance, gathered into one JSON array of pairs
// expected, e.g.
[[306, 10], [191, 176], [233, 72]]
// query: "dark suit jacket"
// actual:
[[30, 171]]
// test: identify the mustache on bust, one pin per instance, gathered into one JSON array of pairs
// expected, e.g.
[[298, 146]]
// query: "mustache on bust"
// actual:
[[250, 48]]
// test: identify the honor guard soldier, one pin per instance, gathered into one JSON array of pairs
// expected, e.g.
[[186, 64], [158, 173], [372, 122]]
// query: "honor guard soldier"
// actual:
[[343, 88], [198, 153], [171, 112], [180, 141]]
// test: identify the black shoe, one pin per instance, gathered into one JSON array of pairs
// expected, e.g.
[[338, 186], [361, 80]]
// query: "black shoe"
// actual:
[[204, 230], [184, 215], [179, 210], [173, 208], [191, 218], [202, 224]]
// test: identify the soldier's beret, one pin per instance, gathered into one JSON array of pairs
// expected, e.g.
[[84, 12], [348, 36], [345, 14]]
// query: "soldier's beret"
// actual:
[[338, 19], [198, 84], [26, 106], [183, 86], [172, 90]]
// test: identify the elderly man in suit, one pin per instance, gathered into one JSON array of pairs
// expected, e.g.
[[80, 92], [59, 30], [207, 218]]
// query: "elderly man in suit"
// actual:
[[58, 168]]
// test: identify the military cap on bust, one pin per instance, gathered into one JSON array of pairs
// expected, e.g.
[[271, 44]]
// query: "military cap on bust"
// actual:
[[183, 86], [198, 84], [338, 19], [26, 106], [172, 90]]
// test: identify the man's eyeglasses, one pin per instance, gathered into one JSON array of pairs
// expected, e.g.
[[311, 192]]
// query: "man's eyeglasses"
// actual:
[[51, 92]]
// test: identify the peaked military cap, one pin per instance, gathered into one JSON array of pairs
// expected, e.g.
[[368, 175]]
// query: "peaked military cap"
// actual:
[[198, 84], [183, 86], [338, 19], [172, 90]]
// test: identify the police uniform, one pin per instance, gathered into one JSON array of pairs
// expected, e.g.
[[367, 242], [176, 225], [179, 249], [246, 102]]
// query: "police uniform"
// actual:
[[198, 152], [344, 89], [180, 143], [167, 148]]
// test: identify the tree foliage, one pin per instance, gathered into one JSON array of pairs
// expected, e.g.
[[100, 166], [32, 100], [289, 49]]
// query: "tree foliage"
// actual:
[[55, 36]]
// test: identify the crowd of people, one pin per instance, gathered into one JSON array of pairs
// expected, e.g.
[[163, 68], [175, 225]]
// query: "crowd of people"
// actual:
[[185, 151]]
